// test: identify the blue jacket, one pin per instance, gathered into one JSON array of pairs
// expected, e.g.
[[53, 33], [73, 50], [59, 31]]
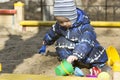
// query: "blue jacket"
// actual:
[[80, 39]]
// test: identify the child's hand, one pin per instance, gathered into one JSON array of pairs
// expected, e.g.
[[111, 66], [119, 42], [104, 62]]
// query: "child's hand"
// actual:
[[42, 50], [72, 58]]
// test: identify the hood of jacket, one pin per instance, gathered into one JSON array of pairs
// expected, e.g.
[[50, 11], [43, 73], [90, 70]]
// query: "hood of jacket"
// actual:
[[81, 19]]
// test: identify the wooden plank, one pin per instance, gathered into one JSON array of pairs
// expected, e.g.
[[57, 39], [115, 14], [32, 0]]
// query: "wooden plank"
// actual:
[[41, 77], [7, 12]]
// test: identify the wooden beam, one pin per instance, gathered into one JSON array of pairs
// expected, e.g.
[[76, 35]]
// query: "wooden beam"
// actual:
[[41, 77]]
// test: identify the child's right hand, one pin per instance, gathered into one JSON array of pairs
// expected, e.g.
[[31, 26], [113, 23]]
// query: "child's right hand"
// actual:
[[42, 50]]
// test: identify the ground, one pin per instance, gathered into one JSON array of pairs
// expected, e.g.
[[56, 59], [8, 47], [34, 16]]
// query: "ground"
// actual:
[[19, 50]]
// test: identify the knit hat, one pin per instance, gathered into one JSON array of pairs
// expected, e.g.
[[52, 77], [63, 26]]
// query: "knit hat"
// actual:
[[65, 8]]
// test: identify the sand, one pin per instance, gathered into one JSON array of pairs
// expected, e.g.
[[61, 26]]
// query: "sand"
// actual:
[[19, 50]]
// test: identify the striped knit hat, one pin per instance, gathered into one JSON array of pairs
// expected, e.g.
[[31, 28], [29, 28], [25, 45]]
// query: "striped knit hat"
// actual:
[[65, 8]]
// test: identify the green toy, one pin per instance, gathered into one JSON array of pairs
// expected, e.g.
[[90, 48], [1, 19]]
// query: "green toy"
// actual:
[[65, 68]]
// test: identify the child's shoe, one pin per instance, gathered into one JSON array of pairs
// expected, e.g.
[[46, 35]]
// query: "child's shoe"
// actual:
[[95, 71]]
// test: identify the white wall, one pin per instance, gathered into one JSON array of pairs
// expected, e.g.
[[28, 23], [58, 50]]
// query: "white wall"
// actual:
[[2, 1]]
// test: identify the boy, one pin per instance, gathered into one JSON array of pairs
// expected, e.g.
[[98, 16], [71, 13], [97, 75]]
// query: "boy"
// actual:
[[75, 37]]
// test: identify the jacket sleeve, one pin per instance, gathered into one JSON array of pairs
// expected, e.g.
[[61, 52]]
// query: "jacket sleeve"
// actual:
[[51, 36], [86, 41]]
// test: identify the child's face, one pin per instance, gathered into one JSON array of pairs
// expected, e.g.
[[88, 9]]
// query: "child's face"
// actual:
[[64, 22]]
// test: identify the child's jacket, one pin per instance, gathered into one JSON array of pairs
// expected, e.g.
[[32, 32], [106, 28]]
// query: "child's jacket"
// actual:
[[80, 39]]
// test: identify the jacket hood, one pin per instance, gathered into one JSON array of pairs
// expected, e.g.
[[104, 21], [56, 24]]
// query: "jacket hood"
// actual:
[[81, 19]]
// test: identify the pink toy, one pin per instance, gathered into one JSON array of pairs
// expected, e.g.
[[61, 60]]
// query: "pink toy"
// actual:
[[92, 76]]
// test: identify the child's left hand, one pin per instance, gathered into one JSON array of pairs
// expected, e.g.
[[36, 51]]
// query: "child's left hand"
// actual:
[[72, 58]]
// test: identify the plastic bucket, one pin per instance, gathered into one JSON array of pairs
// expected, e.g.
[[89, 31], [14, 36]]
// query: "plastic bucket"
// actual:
[[65, 68], [113, 55], [116, 66]]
